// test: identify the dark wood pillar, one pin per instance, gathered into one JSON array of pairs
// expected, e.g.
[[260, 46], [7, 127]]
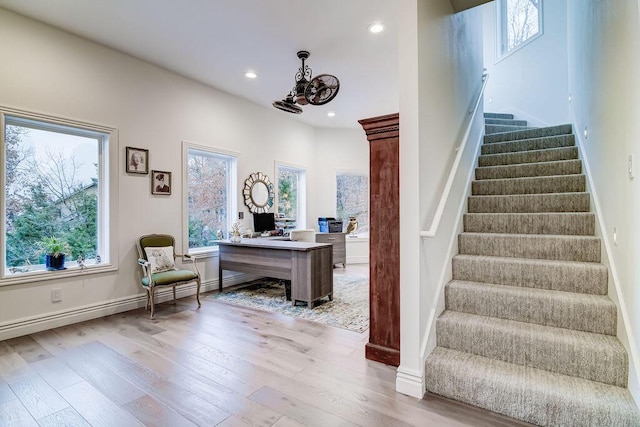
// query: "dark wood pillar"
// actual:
[[383, 134]]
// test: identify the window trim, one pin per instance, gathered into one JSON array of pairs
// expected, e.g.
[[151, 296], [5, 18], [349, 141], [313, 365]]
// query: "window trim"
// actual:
[[107, 193], [501, 31], [301, 221], [233, 195]]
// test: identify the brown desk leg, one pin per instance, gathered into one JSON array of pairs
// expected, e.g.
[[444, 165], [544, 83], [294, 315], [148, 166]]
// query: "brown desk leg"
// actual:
[[220, 280]]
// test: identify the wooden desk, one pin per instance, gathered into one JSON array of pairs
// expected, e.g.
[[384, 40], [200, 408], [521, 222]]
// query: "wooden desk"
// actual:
[[309, 266]]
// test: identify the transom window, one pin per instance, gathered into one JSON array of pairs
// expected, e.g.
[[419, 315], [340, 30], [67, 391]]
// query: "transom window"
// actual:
[[520, 21], [56, 180], [210, 196], [352, 201]]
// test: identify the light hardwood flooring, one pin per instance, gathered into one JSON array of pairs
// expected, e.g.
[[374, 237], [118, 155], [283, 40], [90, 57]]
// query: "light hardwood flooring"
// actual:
[[221, 365]]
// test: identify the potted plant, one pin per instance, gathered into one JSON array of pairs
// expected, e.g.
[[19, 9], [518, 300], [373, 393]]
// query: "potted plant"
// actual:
[[55, 250]]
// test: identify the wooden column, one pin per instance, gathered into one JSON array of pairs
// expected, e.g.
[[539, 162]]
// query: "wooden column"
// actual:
[[383, 134]]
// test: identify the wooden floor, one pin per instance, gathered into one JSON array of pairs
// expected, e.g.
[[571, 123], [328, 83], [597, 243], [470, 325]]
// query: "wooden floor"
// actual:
[[219, 365]]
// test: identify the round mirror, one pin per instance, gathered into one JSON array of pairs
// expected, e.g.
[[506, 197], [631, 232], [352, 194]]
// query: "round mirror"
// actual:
[[258, 193]]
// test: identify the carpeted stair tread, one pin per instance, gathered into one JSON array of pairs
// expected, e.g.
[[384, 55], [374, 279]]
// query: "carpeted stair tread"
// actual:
[[529, 133], [513, 122], [566, 276], [532, 156], [498, 116], [543, 143], [543, 307], [529, 394], [530, 185], [562, 167], [594, 357], [526, 203], [554, 247], [567, 223], [493, 129]]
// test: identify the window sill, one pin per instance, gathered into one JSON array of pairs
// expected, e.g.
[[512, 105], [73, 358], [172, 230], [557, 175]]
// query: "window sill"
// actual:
[[45, 276], [204, 253]]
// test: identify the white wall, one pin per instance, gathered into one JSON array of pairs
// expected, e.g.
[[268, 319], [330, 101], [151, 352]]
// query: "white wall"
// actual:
[[442, 52], [52, 72], [338, 150], [604, 64], [532, 81]]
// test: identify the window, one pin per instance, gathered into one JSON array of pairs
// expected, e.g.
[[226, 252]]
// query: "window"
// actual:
[[56, 185], [352, 200], [210, 182], [292, 194], [520, 22]]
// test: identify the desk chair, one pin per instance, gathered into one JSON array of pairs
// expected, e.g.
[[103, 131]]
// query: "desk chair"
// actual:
[[303, 235], [156, 256]]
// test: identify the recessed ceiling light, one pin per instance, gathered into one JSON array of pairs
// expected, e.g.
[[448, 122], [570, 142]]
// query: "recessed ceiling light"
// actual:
[[376, 28], [331, 114], [250, 75]]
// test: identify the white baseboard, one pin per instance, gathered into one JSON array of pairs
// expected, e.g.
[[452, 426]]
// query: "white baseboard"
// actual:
[[357, 260], [30, 325], [410, 382]]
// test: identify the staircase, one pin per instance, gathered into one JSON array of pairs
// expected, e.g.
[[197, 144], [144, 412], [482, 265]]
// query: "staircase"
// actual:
[[528, 330]]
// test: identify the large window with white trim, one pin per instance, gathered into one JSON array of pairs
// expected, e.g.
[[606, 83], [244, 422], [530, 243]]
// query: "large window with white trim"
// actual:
[[210, 196], [56, 194], [291, 199], [520, 21]]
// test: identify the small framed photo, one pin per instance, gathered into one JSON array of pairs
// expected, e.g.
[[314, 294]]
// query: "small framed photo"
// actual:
[[161, 183], [137, 160]]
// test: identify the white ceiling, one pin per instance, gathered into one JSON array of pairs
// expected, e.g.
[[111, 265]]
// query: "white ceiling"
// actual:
[[217, 41]]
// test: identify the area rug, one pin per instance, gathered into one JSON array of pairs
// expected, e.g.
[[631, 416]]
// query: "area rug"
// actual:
[[348, 310]]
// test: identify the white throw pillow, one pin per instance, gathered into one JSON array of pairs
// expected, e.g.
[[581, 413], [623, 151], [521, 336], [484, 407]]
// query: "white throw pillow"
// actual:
[[160, 258]]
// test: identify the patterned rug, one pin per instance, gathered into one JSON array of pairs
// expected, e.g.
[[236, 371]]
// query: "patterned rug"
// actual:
[[348, 310]]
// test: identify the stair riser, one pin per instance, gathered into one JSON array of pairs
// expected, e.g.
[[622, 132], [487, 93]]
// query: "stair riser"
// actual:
[[498, 116], [550, 155], [585, 278], [505, 122], [529, 145], [567, 224], [594, 358], [528, 134], [527, 394], [568, 202], [568, 167], [537, 185], [547, 310], [491, 129], [562, 248]]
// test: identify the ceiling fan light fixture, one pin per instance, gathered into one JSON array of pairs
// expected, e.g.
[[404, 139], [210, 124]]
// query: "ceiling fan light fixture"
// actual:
[[315, 91], [287, 105]]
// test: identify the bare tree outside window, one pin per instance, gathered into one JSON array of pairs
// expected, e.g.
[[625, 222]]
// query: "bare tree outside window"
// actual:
[[352, 200], [208, 180], [51, 189], [521, 20]]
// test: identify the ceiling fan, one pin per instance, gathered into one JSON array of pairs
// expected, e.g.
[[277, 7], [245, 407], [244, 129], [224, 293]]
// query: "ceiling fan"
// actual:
[[315, 91]]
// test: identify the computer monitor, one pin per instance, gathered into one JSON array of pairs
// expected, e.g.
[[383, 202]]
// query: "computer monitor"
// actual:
[[264, 222]]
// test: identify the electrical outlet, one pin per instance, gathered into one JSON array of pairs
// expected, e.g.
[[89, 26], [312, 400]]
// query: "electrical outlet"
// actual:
[[615, 235], [631, 167], [56, 295]]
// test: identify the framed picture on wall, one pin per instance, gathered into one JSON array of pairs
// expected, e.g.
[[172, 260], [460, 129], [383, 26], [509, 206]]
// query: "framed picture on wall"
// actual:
[[161, 183], [137, 160]]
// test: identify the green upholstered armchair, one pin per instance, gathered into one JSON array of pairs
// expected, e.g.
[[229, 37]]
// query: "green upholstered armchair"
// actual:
[[156, 256]]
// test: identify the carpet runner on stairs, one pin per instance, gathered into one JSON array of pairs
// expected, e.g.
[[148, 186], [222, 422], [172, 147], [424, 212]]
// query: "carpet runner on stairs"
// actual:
[[528, 330]]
